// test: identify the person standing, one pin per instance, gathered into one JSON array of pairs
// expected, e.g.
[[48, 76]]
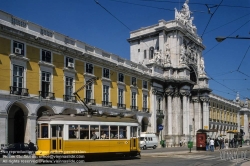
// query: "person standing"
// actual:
[[180, 143], [212, 145], [226, 143], [207, 144], [31, 148]]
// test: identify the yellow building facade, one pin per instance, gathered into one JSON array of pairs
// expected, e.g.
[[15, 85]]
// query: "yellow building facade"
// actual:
[[41, 70]]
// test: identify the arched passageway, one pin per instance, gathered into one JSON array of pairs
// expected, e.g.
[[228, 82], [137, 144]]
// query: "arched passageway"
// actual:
[[17, 123], [144, 124]]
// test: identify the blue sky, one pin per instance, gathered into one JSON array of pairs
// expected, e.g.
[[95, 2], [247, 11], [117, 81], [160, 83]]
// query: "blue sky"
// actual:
[[226, 63]]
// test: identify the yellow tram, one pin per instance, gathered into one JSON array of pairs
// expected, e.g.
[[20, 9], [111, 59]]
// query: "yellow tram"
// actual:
[[85, 135]]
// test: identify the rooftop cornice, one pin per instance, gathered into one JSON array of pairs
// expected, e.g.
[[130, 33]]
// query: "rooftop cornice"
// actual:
[[39, 36]]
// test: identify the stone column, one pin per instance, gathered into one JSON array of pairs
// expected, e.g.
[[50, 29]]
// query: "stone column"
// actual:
[[185, 106], [170, 115], [32, 122], [154, 108], [169, 137], [176, 115], [3, 129], [197, 114], [205, 112], [238, 121], [246, 136]]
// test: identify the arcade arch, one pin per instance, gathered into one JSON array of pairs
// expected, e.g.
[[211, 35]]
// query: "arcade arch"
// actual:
[[144, 124], [17, 123]]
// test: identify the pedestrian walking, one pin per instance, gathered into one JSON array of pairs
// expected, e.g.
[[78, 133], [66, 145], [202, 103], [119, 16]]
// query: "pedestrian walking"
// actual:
[[212, 145]]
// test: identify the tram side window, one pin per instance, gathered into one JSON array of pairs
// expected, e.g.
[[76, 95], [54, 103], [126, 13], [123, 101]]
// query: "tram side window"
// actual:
[[73, 132], [84, 131], [44, 130], [104, 132], [113, 132], [94, 129], [133, 131], [122, 132]]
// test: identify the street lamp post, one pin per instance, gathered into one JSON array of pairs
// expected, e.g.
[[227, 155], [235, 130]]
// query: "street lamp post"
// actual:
[[220, 38]]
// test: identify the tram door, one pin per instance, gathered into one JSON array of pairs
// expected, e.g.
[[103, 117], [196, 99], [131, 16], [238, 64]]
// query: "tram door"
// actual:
[[133, 138], [57, 138]]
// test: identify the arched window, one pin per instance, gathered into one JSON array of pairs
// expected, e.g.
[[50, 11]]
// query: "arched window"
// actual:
[[151, 52]]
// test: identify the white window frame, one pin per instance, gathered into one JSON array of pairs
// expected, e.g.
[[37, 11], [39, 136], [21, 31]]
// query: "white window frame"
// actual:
[[133, 92], [20, 43], [12, 83], [143, 101], [122, 102], [103, 72], [72, 85], [119, 77], [103, 87], [132, 81], [41, 57], [87, 66], [143, 84], [67, 61]]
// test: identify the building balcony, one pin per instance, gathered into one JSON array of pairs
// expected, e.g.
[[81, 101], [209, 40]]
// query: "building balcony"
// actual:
[[145, 109], [106, 104], [121, 106], [89, 101], [19, 91], [210, 119], [69, 98], [134, 108], [47, 95]]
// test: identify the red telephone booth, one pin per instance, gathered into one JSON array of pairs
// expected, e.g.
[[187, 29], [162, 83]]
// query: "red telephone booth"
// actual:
[[201, 141]]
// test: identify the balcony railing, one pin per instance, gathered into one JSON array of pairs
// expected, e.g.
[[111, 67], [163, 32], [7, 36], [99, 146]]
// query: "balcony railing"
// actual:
[[89, 101], [106, 104], [145, 109], [121, 106], [134, 108], [69, 98], [19, 91], [47, 95]]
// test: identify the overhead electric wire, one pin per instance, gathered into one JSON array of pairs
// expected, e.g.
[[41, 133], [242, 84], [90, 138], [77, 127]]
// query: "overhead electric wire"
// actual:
[[195, 3], [152, 6], [112, 15], [243, 73], [227, 23], [227, 36], [211, 18], [230, 72], [243, 58]]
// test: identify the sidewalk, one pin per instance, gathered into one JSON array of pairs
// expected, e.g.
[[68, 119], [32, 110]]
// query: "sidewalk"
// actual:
[[183, 150], [246, 164]]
